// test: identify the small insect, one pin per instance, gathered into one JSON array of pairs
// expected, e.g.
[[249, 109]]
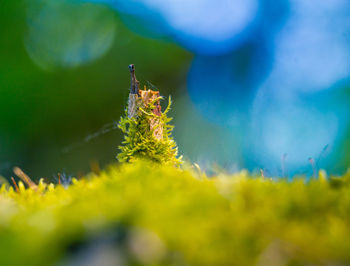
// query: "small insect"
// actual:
[[135, 95], [147, 96], [143, 98], [134, 88]]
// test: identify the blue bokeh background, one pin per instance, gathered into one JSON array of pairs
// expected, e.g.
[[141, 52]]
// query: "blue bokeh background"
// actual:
[[256, 84]]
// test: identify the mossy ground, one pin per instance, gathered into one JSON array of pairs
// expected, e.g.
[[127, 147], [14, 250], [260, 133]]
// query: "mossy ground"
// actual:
[[143, 213]]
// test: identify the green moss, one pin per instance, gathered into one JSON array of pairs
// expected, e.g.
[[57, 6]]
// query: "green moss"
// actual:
[[139, 141], [148, 214]]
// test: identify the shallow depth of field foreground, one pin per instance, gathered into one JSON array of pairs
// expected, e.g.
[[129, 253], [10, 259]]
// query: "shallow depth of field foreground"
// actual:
[[143, 214]]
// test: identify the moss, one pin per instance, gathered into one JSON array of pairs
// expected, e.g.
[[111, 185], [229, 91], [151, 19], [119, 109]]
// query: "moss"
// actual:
[[147, 132], [140, 143], [150, 214]]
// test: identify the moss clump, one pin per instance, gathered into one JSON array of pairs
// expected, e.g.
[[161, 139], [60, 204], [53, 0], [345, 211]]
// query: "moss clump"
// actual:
[[140, 142], [147, 132], [145, 214]]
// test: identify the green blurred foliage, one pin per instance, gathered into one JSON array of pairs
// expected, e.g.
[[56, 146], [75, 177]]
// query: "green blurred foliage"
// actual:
[[43, 111], [145, 214]]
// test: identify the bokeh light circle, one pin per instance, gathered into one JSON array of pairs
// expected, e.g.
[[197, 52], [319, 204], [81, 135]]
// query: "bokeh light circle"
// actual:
[[63, 34], [202, 26]]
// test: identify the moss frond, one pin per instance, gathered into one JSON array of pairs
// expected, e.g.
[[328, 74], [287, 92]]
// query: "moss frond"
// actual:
[[139, 140]]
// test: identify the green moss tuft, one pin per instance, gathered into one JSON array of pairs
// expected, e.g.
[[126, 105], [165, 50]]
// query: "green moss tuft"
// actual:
[[139, 140]]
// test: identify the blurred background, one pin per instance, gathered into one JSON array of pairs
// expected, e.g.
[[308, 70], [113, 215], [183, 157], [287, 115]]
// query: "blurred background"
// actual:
[[255, 84]]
